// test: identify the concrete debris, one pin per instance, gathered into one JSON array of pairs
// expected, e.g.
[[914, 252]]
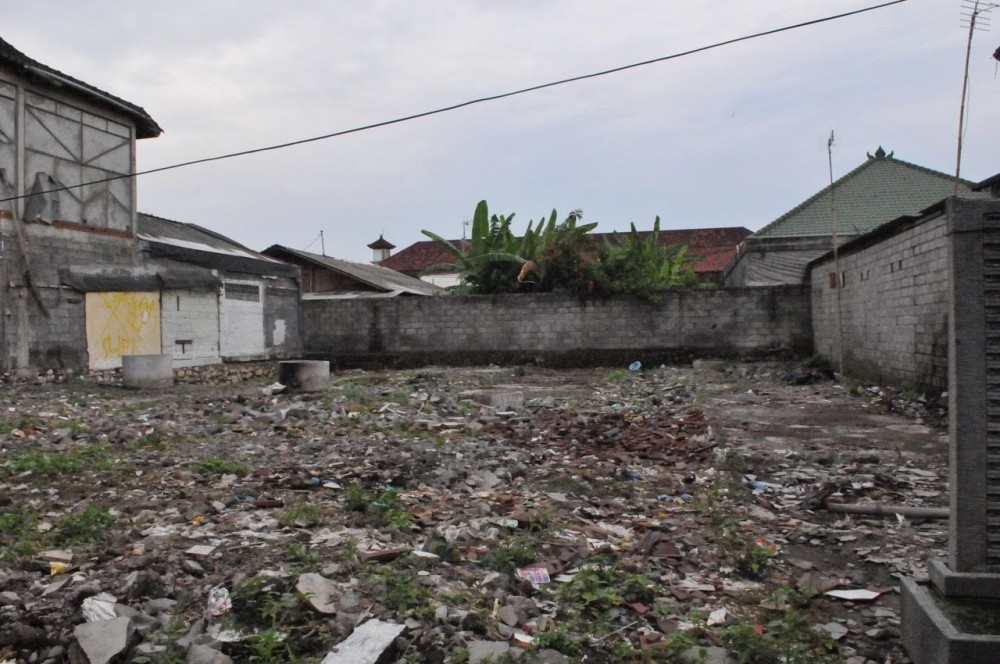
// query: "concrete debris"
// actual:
[[441, 514], [367, 644], [320, 592], [104, 640], [199, 654], [487, 651]]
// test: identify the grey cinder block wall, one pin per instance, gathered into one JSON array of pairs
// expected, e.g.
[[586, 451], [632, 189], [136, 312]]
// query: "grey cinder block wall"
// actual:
[[893, 287], [57, 337], [727, 321]]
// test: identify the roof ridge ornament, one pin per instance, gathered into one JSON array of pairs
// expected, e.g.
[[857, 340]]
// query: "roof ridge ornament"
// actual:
[[880, 154]]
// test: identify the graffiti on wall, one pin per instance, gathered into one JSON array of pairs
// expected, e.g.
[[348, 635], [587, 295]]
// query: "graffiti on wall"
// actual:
[[121, 324]]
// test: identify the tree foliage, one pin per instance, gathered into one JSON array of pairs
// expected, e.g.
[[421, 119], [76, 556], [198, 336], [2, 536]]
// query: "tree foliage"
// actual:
[[555, 256], [489, 262], [636, 265]]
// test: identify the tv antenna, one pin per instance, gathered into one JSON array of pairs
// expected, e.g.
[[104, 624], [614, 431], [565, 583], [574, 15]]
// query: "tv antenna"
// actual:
[[975, 14], [838, 276]]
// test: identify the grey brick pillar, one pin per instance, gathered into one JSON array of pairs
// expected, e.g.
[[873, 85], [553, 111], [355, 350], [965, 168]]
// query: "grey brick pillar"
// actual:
[[974, 385]]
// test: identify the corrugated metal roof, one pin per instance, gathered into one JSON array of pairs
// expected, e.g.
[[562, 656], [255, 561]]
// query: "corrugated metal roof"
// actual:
[[374, 276], [193, 244], [191, 236], [35, 71], [876, 192]]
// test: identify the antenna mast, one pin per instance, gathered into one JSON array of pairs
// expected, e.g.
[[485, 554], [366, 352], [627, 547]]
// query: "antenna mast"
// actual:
[[836, 260], [977, 21]]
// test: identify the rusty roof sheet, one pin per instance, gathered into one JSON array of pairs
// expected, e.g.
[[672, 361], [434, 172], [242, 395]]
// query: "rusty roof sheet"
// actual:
[[714, 247], [375, 276]]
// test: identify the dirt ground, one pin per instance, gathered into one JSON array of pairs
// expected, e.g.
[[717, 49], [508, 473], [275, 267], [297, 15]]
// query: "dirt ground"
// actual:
[[659, 514]]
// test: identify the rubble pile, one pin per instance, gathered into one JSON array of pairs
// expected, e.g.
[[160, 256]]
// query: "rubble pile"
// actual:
[[459, 515]]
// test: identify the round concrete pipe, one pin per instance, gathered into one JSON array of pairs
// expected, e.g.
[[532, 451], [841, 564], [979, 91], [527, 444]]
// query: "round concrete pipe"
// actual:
[[304, 375], [147, 372]]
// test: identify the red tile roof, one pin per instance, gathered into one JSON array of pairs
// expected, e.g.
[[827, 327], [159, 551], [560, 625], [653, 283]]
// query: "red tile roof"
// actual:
[[714, 247]]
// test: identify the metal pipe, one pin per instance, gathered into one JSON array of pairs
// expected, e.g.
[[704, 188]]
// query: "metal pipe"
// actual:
[[878, 509]]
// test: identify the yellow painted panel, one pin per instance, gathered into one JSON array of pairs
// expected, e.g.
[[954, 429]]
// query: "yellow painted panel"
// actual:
[[121, 324]]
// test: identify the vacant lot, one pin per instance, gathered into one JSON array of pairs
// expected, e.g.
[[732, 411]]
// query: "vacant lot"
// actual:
[[556, 516]]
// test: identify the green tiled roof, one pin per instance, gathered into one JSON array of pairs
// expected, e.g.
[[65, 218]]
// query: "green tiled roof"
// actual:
[[876, 192]]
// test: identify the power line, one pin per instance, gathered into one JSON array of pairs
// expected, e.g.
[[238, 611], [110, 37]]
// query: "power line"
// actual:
[[464, 104]]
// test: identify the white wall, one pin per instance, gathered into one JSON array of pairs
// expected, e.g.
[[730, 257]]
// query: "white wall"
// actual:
[[190, 323]]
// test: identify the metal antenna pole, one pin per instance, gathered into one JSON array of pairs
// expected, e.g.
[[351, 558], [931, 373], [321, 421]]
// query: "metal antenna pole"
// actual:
[[974, 15], [836, 260], [322, 244]]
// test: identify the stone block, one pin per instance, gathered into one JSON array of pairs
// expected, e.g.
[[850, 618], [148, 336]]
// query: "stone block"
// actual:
[[147, 371]]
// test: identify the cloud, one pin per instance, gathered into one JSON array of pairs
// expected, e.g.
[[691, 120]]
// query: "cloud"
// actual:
[[725, 137]]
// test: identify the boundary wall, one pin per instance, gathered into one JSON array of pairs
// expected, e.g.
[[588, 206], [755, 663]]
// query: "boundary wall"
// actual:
[[558, 328]]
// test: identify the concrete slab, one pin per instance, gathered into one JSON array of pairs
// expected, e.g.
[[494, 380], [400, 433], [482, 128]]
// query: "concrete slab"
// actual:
[[366, 645], [487, 651], [103, 640], [930, 638], [963, 584], [147, 372]]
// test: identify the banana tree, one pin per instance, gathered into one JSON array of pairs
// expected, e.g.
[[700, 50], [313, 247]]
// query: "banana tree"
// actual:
[[489, 261]]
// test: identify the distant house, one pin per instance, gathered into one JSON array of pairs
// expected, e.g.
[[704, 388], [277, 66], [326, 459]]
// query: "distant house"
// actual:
[[88, 280], [990, 185], [249, 312], [880, 307], [67, 153], [711, 248], [326, 277], [876, 192]]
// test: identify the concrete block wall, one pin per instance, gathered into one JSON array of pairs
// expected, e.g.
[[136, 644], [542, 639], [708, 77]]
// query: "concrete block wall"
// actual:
[[189, 324], [742, 321], [56, 340], [894, 305], [282, 330]]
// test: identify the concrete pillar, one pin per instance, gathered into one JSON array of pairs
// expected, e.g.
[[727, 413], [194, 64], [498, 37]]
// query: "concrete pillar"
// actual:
[[304, 375], [974, 282], [973, 570]]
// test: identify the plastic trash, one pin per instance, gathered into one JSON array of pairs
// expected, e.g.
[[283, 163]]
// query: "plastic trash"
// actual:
[[635, 366], [219, 602], [757, 486], [99, 607], [536, 575]]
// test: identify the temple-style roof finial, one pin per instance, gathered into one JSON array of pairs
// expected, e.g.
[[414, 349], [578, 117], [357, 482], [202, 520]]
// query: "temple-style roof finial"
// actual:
[[880, 154]]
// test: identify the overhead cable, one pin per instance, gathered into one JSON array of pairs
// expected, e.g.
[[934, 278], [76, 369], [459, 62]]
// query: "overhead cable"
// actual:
[[464, 104]]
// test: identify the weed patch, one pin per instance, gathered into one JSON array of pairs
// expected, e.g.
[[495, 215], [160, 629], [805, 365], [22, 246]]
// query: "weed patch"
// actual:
[[217, 467], [378, 509], [302, 514], [87, 526], [273, 613], [46, 464], [401, 591], [512, 553]]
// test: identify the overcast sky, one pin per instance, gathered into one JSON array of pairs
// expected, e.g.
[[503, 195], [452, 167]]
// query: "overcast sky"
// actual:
[[735, 136]]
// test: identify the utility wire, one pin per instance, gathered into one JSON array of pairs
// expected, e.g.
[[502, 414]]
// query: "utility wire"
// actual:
[[472, 102]]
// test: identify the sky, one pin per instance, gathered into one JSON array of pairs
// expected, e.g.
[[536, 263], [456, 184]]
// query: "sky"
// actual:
[[734, 136]]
